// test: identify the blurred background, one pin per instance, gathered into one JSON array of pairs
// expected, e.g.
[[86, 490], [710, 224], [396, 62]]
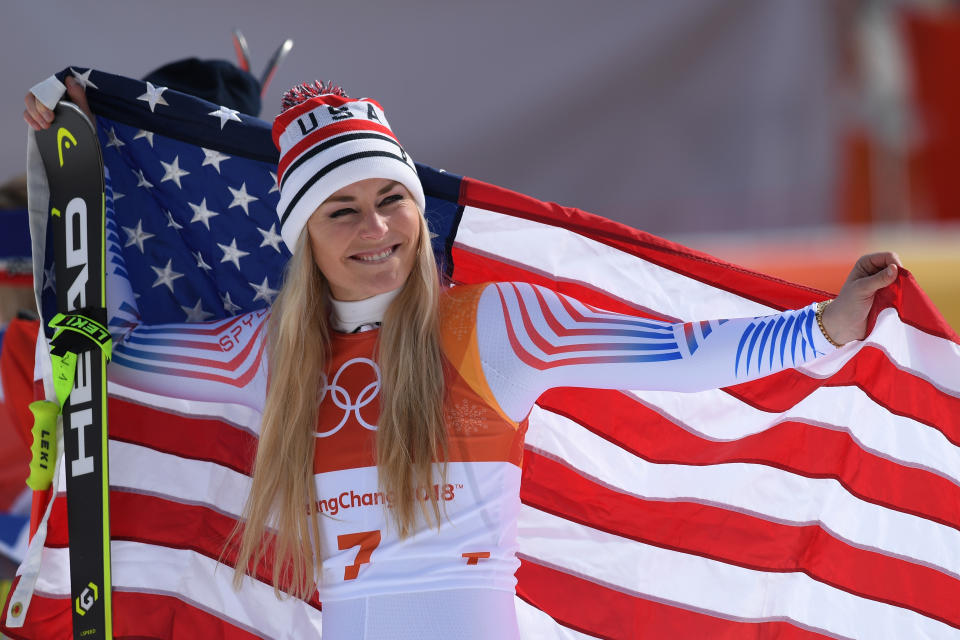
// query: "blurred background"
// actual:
[[785, 136]]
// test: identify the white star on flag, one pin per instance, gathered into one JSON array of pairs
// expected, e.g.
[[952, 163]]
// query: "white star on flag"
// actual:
[[271, 238], [117, 195], [166, 275], [273, 175], [241, 198], [264, 292], [141, 180], [143, 133], [213, 158], [196, 313], [113, 140], [228, 304], [232, 254], [225, 113], [83, 78], [137, 236], [171, 222], [201, 263], [201, 213], [154, 96], [50, 278], [173, 171]]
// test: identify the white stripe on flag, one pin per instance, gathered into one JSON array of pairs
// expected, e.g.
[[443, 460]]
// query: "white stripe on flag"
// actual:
[[195, 579], [724, 590], [926, 356], [239, 415], [195, 482], [718, 416], [765, 491], [537, 625], [575, 258]]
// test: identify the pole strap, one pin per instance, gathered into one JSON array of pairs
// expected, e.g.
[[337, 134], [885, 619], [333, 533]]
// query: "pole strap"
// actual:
[[75, 333]]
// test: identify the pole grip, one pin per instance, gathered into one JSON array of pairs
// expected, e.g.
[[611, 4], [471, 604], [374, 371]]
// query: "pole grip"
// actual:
[[44, 448]]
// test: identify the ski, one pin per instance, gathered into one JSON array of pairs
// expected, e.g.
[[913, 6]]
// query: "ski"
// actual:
[[278, 56], [80, 349], [241, 49]]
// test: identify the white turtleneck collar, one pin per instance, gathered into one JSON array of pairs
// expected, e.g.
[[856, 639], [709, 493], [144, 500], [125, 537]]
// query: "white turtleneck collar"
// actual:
[[362, 315]]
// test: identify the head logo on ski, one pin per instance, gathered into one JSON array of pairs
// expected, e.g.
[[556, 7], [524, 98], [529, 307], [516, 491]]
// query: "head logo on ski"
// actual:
[[64, 139]]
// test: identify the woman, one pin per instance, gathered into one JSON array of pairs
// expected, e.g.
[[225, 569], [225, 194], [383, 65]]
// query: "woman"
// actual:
[[389, 457]]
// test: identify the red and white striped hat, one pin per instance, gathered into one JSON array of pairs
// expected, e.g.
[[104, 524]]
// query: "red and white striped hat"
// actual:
[[327, 142]]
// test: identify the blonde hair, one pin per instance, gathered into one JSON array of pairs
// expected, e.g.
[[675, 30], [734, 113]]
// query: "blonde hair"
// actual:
[[410, 434]]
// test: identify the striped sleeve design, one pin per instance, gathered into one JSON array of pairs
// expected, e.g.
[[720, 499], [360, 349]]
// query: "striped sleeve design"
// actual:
[[532, 339]]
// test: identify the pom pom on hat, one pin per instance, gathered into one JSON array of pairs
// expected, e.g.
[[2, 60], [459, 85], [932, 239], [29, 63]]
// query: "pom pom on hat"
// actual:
[[303, 92], [328, 141]]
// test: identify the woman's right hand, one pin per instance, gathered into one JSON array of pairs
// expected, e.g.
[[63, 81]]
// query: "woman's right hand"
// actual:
[[38, 116]]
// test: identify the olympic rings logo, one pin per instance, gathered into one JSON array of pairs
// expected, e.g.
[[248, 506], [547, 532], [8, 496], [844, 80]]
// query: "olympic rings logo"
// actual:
[[341, 397]]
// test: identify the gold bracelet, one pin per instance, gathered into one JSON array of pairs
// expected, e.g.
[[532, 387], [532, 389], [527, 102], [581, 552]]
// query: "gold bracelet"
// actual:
[[820, 307]]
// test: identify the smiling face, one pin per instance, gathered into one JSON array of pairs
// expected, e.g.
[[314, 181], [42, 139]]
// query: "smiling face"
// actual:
[[364, 238]]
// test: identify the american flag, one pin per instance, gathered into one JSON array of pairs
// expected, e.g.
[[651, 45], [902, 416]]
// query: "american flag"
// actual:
[[821, 502]]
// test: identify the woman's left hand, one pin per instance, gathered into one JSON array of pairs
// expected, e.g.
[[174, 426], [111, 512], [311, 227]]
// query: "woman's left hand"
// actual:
[[845, 318]]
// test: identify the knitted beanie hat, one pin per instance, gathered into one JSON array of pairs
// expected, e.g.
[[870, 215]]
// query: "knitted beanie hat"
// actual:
[[328, 141]]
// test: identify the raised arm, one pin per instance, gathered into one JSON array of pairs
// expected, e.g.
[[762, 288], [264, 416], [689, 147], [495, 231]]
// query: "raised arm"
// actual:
[[531, 339]]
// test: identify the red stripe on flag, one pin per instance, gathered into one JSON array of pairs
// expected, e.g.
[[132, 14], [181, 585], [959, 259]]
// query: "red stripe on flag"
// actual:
[[914, 307], [223, 444], [604, 612], [136, 616], [898, 391], [150, 615], [46, 618], [743, 540], [825, 453], [15, 279]]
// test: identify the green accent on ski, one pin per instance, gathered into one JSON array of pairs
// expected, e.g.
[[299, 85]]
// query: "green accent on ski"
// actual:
[[103, 253], [64, 138], [104, 440], [4, 591], [44, 448], [105, 485]]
